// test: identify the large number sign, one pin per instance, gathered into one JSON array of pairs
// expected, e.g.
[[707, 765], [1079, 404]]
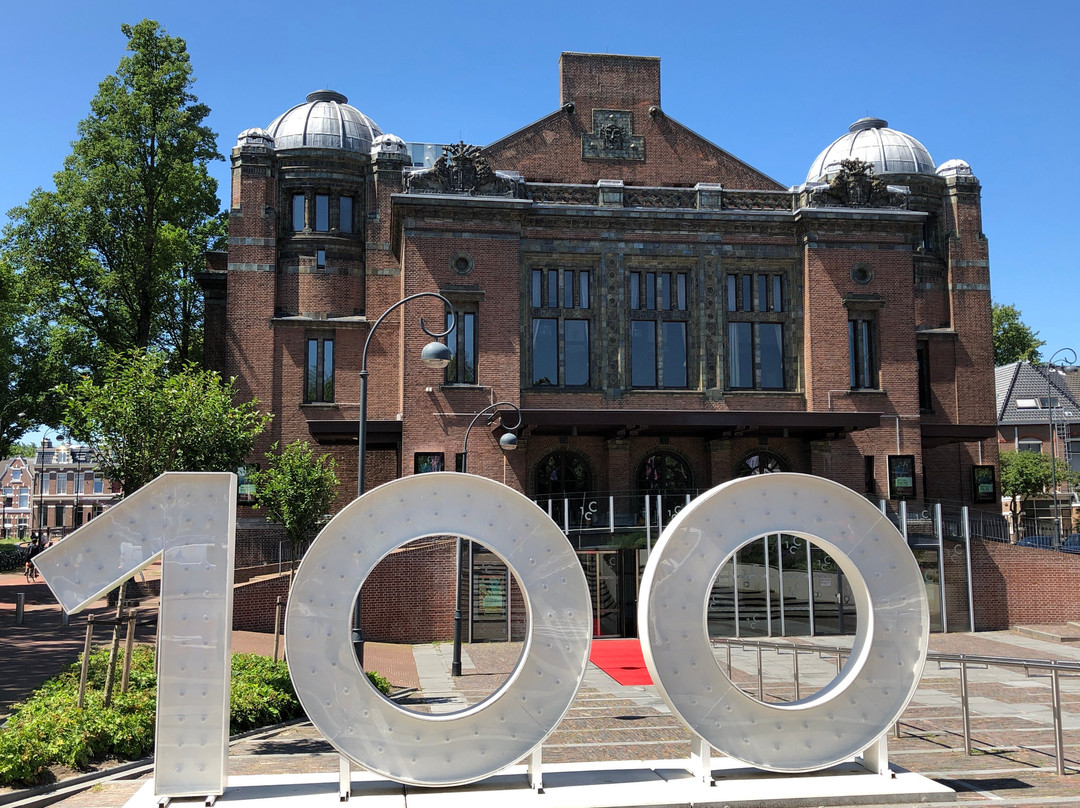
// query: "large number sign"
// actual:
[[188, 521], [188, 518]]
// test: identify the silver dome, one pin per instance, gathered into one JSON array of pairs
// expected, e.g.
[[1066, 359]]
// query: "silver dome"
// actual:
[[954, 168], [324, 121], [871, 140]]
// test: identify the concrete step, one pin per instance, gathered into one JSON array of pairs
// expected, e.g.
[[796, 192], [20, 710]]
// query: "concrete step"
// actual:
[[1058, 632]]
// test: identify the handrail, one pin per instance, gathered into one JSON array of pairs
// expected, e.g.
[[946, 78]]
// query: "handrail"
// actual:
[[1054, 666]]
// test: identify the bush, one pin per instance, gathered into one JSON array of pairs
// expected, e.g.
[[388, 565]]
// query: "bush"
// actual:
[[382, 684], [262, 693], [49, 729]]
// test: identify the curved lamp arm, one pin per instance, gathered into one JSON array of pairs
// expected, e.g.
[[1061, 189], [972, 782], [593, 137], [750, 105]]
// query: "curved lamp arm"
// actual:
[[402, 302], [1069, 351], [362, 437], [491, 408]]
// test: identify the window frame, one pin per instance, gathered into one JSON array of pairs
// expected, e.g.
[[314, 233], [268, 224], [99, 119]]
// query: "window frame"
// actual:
[[319, 394], [757, 301], [660, 295], [462, 348], [301, 211], [559, 299], [864, 361]]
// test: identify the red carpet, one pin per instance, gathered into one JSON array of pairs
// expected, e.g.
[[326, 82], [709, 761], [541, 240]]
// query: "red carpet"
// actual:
[[621, 660]]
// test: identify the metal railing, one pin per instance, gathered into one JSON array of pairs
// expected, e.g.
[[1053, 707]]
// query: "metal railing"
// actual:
[[1055, 669]]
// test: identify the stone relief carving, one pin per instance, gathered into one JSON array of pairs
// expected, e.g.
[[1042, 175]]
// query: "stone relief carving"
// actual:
[[463, 170], [612, 137], [855, 186]]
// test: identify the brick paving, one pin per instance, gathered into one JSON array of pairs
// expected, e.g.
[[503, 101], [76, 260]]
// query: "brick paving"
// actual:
[[1013, 764]]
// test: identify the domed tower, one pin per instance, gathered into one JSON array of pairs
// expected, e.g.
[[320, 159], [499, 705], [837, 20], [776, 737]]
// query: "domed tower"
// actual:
[[872, 141], [290, 307], [322, 150], [901, 242]]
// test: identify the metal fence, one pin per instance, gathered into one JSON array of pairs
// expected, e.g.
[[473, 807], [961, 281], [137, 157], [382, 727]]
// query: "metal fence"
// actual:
[[1055, 669]]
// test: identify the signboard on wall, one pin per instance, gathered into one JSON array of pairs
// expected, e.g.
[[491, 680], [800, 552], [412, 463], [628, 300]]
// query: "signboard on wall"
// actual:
[[901, 476], [983, 488]]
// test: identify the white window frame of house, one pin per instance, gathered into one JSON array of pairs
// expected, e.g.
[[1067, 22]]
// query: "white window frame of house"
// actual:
[[1033, 445]]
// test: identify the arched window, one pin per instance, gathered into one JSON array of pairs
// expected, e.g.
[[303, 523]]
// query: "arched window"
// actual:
[[761, 463], [664, 473], [562, 473]]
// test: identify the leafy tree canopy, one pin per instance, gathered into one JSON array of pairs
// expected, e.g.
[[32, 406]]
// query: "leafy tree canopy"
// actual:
[[1028, 474], [296, 489], [1013, 340], [110, 253], [28, 368], [145, 420]]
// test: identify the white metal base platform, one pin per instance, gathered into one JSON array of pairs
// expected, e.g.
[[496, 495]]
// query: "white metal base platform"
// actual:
[[618, 784]]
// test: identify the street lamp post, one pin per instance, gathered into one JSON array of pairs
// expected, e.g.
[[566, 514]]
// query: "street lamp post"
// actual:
[[1053, 432], [434, 355], [508, 442]]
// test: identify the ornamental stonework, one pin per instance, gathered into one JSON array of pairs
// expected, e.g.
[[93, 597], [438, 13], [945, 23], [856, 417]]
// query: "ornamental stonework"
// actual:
[[612, 137]]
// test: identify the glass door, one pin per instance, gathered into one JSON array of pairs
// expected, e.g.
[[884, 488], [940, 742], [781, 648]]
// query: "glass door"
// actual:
[[603, 572]]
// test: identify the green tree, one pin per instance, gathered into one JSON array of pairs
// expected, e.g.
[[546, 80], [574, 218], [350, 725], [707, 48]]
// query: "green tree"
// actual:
[[109, 253], [1013, 340], [28, 369], [296, 489], [1028, 474], [145, 420]]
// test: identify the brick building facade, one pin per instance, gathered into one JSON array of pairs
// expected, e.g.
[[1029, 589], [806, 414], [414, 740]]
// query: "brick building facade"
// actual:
[[666, 316]]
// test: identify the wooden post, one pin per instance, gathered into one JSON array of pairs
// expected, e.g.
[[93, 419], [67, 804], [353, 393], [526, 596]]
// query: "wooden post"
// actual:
[[110, 670], [127, 650], [277, 627]]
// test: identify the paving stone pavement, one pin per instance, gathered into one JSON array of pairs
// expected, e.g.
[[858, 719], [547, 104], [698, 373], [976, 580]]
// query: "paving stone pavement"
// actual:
[[1011, 731]]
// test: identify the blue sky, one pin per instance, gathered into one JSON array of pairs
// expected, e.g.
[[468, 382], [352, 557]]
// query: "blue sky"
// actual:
[[773, 83]]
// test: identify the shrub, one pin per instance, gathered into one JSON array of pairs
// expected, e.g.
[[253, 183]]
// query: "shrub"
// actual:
[[49, 729], [382, 684]]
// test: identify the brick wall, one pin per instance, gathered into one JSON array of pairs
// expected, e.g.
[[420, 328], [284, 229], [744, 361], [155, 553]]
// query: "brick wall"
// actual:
[[1022, 585], [550, 150]]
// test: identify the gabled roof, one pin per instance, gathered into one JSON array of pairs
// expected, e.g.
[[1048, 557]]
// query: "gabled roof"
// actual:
[[1022, 381]]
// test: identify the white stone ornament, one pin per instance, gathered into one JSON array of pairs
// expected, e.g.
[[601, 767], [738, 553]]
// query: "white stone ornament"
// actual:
[[889, 650], [189, 521], [449, 748]]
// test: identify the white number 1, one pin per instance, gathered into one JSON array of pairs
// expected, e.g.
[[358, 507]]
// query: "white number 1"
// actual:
[[187, 520]]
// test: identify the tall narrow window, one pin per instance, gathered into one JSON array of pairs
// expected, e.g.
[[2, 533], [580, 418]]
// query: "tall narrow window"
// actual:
[[320, 259], [322, 212], [319, 371], [537, 288], [298, 218], [462, 340], [740, 355], [345, 214], [862, 354], [576, 338], [545, 351], [771, 352], [643, 353], [922, 365], [674, 357]]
